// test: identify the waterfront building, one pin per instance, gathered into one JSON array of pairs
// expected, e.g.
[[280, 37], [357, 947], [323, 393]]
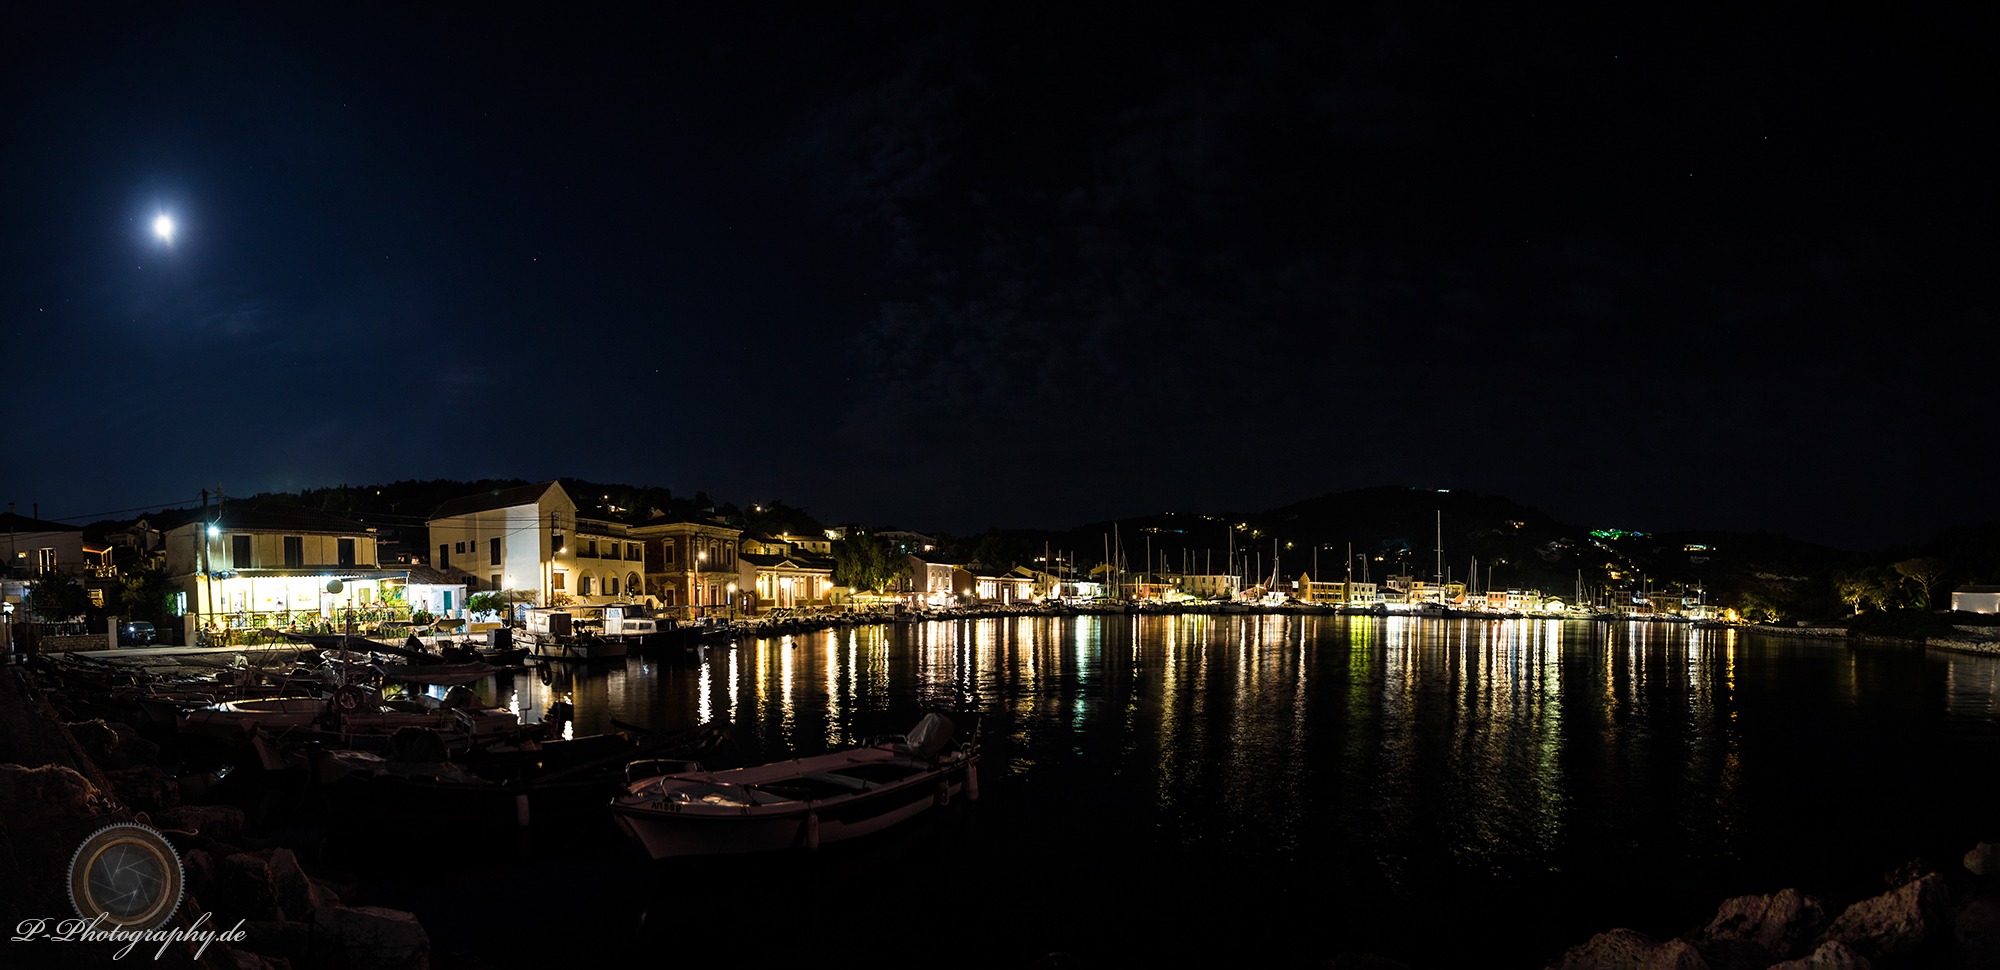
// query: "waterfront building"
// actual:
[[532, 542], [788, 581], [36, 545], [1210, 586], [1976, 599], [927, 581], [990, 585], [694, 562], [240, 566]]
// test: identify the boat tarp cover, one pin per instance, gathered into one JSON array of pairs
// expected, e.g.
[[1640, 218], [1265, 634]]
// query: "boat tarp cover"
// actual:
[[928, 739]]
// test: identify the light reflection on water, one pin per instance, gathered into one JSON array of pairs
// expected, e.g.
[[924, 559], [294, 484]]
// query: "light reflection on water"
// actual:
[[1401, 762]]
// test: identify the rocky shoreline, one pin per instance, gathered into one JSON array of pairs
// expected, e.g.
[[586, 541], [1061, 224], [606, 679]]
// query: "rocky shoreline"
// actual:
[[1930, 917], [62, 780], [1979, 640]]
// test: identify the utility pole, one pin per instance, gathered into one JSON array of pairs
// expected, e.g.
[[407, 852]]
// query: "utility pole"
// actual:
[[201, 536]]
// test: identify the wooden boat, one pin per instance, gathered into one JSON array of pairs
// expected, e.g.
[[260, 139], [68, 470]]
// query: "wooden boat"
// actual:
[[800, 803]]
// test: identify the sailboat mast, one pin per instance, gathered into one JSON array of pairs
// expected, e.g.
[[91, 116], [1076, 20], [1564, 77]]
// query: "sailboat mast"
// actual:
[[1440, 551]]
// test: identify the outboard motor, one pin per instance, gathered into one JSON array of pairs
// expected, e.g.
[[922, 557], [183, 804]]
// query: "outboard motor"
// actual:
[[929, 739]]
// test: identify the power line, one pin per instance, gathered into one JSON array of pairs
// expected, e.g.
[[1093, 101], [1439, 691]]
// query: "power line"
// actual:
[[99, 515]]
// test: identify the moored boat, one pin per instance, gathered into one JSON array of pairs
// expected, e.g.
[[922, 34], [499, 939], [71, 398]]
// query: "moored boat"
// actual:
[[803, 803]]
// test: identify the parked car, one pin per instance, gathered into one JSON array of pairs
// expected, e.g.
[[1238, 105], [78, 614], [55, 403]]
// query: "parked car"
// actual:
[[138, 631]]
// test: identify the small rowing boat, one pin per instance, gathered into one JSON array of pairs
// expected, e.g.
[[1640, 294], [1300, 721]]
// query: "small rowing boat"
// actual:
[[802, 803]]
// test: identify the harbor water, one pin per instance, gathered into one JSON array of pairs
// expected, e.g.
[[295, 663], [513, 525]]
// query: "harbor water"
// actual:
[[1261, 789]]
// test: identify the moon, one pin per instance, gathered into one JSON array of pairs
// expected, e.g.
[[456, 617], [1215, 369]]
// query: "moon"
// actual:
[[163, 227]]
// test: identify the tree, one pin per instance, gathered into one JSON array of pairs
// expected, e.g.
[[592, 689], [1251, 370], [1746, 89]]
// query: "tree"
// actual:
[[56, 595], [1853, 588], [865, 561], [1924, 573], [998, 550], [142, 595]]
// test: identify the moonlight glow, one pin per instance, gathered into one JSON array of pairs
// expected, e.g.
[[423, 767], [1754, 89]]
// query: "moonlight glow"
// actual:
[[163, 227]]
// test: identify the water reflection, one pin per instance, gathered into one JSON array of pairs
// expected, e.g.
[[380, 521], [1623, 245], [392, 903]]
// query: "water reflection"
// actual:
[[1396, 753]]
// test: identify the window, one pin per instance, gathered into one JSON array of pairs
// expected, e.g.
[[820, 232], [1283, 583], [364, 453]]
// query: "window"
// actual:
[[632, 551], [590, 549], [667, 551], [45, 560], [461, 547], [346, 552], [447, 601], [496, 580], [556, 542], [583, 586], [611, 586], [493, 552], [558, 583], [239, 552], [444, 556], [295, 552]]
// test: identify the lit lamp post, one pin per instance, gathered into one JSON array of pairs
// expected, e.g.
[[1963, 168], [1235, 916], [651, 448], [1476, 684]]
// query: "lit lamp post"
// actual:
[[694, 582]]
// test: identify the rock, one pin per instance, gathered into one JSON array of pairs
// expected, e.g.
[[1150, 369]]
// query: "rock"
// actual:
[[246, 960], [1909, 872], [242, 889], [29, 796], [131, 749], [297, 895], [1894, 923], [145, 788], [197, 871], [369, 938], [97, 738], [1976, 930], [1623, 949], [1831, 955], [190, 841], [276, 938], [1984, 859], [334, 895], [1778, 925], [223, 823]]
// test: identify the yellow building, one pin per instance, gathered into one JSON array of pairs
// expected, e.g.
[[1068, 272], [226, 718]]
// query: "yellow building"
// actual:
[[240, 566]]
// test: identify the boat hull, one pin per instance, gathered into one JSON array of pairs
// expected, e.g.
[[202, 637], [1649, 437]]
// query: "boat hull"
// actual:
[[667, 829]]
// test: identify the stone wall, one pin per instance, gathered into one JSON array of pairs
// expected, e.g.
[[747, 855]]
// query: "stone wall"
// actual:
[[95, 641]]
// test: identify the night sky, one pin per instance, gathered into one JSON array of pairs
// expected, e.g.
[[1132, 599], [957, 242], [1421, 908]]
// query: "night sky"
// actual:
[[1016, 266]]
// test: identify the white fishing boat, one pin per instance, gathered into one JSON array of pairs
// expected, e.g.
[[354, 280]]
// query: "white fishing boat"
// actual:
[[576, 633], [803, 803]]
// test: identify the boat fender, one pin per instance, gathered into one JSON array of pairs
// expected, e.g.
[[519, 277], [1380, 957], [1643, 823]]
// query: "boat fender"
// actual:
[[943, 793], [544, 674], [348, 699]]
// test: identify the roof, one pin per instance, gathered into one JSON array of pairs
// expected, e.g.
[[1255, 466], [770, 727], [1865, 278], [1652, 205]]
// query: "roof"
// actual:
[[1977, 589], [243, 515], [780, 562], [16, 522], [499, 498], [422, 575]]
